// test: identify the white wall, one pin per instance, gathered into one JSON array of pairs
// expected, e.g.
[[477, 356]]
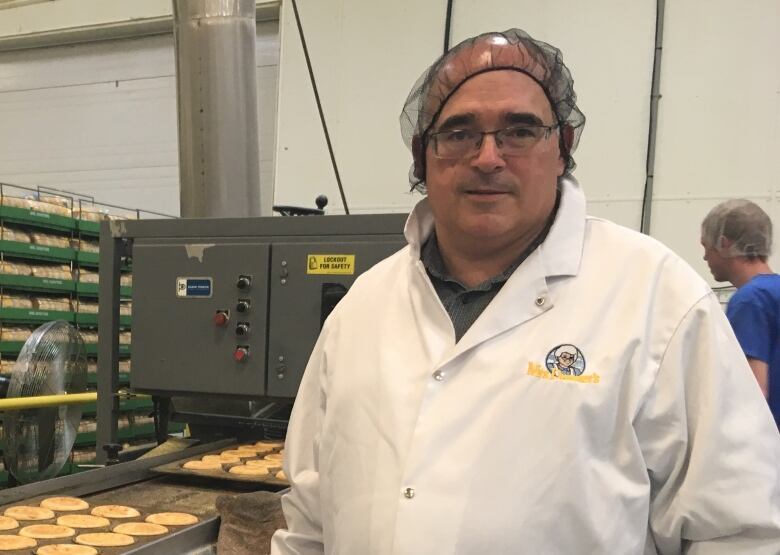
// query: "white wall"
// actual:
[[65, 14], [53, 16], [719, 125], [100, 119], [367, 55]]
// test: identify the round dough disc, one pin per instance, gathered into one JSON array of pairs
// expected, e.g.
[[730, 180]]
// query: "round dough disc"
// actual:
[[140, 529], [104, 539], [203, 465], [83, 521], [47, 531], [8, 523], [115, 511], [271, 444], [12, 543], [239, 453], [275, 457], [172, 519], [245, 470], [222, 459], [66, 549], [65, 504], [257, 449], [22, 512], [264, 463]]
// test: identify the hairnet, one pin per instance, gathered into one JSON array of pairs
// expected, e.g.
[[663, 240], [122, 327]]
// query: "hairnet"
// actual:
[[743, 223], [513, 49]]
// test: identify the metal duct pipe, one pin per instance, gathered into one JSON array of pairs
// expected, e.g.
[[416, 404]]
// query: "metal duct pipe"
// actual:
[[219, 170]]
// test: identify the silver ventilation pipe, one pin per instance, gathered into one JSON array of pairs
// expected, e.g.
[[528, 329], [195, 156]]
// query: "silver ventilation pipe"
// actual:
[[219, 170]]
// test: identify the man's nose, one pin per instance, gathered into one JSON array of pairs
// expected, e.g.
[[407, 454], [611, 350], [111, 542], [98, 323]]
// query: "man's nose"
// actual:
[[488, 158]]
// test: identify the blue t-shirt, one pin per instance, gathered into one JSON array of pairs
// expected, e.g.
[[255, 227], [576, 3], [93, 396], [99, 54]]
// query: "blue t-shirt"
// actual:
[[754, 313]]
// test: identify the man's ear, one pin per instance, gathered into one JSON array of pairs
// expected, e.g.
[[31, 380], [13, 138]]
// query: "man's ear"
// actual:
[[566, 140], [418, 154], [567, 133]]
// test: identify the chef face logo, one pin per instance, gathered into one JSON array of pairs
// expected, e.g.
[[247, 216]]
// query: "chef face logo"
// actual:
[[565, 360]]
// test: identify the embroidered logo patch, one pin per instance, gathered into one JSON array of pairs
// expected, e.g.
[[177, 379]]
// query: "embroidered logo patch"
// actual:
[[564, 362]]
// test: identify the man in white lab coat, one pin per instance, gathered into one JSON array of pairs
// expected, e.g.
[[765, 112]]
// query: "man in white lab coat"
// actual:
[[431, 418]]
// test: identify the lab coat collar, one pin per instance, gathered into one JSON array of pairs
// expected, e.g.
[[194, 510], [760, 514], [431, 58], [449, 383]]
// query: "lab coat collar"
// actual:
[[561, 251]]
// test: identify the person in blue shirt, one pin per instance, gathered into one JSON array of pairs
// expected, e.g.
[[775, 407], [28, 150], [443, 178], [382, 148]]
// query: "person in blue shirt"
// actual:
[[737, 240]]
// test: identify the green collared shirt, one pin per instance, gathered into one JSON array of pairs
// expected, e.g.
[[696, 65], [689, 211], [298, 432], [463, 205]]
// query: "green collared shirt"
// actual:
[[464, 304]]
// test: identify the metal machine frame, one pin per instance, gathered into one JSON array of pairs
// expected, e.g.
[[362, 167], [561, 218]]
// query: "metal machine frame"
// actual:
[[116, 244]]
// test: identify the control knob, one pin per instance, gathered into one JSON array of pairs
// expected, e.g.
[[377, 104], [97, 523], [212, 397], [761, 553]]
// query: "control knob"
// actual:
[[243, 305], [242, 329], [244, 282], [221, 318], [241, 354]]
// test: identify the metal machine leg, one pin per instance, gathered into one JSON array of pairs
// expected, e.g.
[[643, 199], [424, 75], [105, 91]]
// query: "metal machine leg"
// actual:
[[111, 251]]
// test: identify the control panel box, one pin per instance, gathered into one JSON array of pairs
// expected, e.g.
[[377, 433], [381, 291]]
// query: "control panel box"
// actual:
[[307, 280], [200, 317]]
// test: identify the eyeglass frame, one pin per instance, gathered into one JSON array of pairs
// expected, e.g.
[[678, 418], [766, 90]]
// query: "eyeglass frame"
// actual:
[[548, 130]]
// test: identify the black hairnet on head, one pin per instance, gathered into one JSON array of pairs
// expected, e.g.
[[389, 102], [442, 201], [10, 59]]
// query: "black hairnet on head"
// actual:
[[514, 50]]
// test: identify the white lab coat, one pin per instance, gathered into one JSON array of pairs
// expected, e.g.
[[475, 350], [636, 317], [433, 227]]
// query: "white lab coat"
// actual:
[[405, 442]]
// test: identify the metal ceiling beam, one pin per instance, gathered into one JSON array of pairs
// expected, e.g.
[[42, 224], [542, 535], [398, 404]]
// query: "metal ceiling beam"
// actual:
[[268, 11]]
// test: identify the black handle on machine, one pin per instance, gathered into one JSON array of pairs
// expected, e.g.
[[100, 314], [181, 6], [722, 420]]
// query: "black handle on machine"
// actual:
[[112, 450]]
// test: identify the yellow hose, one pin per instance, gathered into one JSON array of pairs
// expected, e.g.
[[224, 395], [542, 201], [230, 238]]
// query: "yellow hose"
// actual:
[[20, 403]]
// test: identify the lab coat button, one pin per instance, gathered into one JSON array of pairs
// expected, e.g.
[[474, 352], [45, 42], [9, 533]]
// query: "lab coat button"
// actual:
[[438, 375], [409, 493], [540, 301]]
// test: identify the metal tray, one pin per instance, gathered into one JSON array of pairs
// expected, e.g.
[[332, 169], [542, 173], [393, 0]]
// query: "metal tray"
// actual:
[[176, 469]]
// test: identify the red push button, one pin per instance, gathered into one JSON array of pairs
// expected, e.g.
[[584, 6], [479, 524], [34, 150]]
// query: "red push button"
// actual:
[[241, 354], [221, 319]]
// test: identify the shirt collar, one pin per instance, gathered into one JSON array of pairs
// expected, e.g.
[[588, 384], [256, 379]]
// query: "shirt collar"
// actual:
[[561, 251]]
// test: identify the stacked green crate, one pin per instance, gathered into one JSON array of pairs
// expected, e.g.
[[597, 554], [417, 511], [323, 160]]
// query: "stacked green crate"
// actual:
[[60, 280]]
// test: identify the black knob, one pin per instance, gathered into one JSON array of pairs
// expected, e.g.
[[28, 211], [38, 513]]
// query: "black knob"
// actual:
[[244, 282], [242, 329], [321, 201], [112, 453], [243, 305]]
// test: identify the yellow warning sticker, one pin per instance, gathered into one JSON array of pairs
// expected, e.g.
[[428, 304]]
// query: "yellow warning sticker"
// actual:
[[334, 264]]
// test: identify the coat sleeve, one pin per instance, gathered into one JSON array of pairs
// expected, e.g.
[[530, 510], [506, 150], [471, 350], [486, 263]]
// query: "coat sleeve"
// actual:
[[710, 444], [301, 506]]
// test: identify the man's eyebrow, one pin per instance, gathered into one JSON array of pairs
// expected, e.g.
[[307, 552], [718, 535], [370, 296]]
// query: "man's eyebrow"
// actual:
[[457, 120], [522, 117]]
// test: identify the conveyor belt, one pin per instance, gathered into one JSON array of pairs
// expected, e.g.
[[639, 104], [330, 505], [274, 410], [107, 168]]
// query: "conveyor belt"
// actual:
[[134, 484]]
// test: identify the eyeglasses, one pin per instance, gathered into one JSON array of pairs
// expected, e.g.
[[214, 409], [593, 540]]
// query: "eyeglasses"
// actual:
[[511, 141]]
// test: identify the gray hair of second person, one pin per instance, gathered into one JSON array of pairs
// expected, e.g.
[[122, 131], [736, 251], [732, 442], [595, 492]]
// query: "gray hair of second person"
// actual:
[[513, 49], [744, 224]]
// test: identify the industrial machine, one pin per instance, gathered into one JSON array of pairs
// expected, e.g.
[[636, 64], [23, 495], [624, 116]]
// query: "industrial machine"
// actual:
[[226, 311], [225, 315]]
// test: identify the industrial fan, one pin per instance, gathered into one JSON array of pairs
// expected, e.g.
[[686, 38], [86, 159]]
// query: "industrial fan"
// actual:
[[38, 441]]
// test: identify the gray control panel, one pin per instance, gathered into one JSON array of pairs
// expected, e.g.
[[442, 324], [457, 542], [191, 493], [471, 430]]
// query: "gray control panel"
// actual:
[[239, 316], [200, 317], [307, 281]]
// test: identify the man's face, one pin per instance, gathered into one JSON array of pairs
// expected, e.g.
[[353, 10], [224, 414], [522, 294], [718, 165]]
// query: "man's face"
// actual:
[[565, 360], [488, 197], [718, 264]]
